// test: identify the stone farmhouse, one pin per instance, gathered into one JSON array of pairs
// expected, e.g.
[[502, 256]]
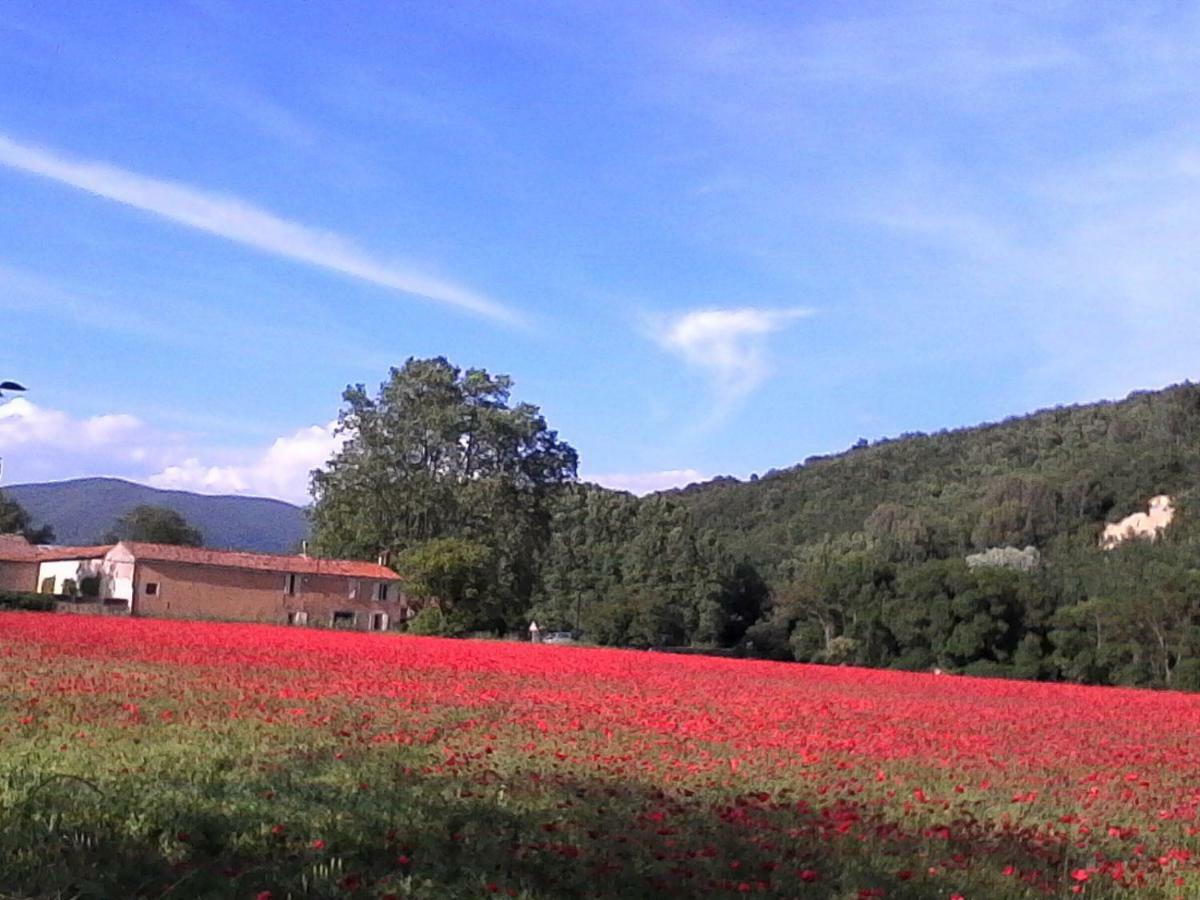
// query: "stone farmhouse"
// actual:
[[166, 581]]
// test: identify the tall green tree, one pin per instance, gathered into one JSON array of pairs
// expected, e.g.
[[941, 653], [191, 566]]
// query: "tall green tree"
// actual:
[[155, 525], [439, 452]]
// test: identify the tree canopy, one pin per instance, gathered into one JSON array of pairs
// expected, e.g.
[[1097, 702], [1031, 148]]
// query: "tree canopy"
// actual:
[[914, 552], [156, 525], [14, 519], [629, 571], [439, 452]]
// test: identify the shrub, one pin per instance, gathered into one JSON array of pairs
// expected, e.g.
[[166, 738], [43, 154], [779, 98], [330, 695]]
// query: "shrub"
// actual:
[[986, 668], [918, 659], [429, 622], [1187, 675], [26, 600]]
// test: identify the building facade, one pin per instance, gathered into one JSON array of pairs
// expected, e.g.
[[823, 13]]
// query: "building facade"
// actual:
[[18, 563], [166, 581]]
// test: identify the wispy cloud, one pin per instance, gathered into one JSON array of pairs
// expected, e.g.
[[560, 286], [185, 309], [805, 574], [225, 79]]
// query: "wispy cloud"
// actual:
[[1097, 270], [22, 291], [236, 220], [728, 345]]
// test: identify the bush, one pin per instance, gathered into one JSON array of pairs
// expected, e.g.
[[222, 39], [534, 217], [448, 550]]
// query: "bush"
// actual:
[[429, 622], [918, 659], [768, 638], [26, 600], [1187, 675], [986, 668], [840, 651]]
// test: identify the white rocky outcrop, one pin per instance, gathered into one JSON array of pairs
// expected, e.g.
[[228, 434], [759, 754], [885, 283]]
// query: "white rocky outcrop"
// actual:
[[1140, 525], [1026, 560]]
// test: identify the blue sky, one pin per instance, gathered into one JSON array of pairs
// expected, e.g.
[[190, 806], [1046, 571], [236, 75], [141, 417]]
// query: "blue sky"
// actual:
[[706, 239]]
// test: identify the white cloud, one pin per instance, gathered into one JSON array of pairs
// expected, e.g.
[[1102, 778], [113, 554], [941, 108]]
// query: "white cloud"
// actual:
[[641, 483], [234, 219], [728, 345], [39, 444], [280, 471], [26, 423]]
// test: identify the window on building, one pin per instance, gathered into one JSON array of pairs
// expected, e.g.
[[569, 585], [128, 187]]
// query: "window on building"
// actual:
[[379, 621], [381, 592], [343, 619], [289, 584], [297, 618], [151, 588]]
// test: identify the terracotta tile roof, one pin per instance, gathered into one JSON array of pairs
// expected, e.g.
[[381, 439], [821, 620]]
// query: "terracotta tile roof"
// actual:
[[236, 559], [14, 548], [48, 553]]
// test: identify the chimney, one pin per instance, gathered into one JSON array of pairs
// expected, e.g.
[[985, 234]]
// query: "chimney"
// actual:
[[304, 549], [384, 557]]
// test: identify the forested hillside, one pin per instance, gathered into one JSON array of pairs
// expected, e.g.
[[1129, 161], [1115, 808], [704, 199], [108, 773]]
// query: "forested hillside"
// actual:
[[1022, 481], [865, 552]]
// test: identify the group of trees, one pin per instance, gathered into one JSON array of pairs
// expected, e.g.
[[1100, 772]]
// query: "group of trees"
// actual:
[[440, 471], [155, 525], [866, 551], [475, 499], [856, 558], [629, 571], [1020, 482], [1127, 616], [14, 519]]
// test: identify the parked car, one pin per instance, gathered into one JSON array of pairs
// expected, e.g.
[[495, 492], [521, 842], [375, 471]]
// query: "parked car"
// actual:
[[559, 637]]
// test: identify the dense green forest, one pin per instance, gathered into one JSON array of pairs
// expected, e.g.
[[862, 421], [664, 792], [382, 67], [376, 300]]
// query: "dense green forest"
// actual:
[[869, 557], [628, 571], [865, 552], [1024, 481]]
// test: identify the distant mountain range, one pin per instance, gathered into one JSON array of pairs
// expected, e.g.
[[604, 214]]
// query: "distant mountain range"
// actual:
[[82, 510]]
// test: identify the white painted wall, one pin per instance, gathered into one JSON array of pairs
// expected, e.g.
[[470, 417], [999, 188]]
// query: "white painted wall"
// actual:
[[75, 569], [116, 572], [119, 574]]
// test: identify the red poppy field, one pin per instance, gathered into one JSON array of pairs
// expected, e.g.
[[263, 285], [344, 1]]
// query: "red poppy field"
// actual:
[[149, 758]]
